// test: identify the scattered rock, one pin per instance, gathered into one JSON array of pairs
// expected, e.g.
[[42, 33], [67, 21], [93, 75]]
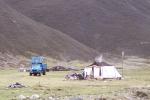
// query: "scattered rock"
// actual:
[[27, 97], [21, 97], [76, 98], [50, 98], [136, 93], [141, 94], [100, 99], [34, 97]]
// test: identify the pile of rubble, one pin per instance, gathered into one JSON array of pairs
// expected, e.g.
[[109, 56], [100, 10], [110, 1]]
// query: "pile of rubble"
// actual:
[[74, 76], [16, 85], [63, 68]]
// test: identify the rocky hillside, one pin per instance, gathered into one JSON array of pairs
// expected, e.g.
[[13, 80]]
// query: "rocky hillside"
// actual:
[[21, 35], [105, 25]]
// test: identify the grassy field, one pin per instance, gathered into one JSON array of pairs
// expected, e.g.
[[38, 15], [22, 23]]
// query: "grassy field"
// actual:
[[54, 84]]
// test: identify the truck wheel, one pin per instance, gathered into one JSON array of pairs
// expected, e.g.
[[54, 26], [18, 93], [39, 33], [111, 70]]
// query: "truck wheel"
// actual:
[[44, 73], [30, 74]]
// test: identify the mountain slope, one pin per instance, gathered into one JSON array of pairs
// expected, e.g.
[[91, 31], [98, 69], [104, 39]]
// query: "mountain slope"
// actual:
[[105, 25], [21, 35]]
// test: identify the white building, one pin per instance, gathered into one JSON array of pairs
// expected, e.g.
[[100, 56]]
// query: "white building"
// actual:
[[101, 71]]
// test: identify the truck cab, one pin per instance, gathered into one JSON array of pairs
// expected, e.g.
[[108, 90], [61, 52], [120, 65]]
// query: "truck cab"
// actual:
[[38, 66]]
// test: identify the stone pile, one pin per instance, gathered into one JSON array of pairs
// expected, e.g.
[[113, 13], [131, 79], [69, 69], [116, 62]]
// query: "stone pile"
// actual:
[[16, 85]]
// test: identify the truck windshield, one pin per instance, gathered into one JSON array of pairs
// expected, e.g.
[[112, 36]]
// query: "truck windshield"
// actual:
[[36, 66]]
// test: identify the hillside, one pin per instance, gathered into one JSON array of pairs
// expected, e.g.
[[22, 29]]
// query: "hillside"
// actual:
[[105, 25], [20, 35]]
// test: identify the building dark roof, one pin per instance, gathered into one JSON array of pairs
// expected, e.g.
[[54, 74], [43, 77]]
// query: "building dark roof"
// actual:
[[100, 64]]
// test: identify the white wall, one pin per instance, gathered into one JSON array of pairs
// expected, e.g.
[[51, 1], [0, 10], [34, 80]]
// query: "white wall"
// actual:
[[109, 72], [96, 72], [106, 72], [87, 71]]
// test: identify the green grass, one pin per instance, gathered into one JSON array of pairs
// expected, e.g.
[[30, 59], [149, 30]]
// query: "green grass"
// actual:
[[54, 84]]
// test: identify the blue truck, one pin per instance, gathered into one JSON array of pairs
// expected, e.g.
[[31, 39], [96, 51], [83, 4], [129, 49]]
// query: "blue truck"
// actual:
[[38, 66]]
